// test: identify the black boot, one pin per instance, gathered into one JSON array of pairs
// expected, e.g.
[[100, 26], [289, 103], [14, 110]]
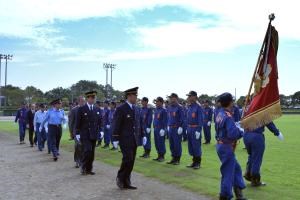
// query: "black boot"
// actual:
[[197, 163], [161, 158], [255, 181], [239, 194], [193, 163], [156, 159], [223, 198], [98, 144], [172, 161], [177, 161], [247, 176]]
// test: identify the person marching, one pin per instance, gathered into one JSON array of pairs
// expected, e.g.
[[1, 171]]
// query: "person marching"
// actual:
[[194, 127], [175, 130], [41, 135], [30, 125], [127, 132], [112, 110], [105, 118], [72, 126], [208, 114], [88, 125], [147, 118], [228, 133], [160, 127], [255, 145], [21, 120], [55, 117]]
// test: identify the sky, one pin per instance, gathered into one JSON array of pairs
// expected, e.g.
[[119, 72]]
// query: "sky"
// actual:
[[210, 46]]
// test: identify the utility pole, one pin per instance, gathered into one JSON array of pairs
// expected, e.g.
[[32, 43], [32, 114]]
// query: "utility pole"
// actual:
[[108, 66], [1, 57], [6, 57]]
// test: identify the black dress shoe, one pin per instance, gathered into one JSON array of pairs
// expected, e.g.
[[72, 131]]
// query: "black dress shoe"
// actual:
[[130, 187], [120, 184], [83, 172], [55, 159], [77, 165], [191, 165], [91, 173]]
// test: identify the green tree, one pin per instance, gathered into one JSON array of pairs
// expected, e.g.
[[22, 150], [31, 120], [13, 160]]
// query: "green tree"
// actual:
[[14, 95], [32, 94], [296, 98]]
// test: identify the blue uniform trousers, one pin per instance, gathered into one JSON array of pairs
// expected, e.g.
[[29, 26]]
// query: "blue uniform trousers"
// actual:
[[159, 142], [175, 142], [55, 133], [147, 147], [207, 132], [230, 169], [22, 130], [41, 137], [255, 145], [107, 136], [194, 145]]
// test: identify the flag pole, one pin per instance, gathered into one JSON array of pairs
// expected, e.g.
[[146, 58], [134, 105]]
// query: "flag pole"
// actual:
[[271, 18]]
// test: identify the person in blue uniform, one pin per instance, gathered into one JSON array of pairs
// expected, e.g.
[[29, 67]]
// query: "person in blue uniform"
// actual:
[[175, 130], [88, 125], [29, 120], [255, 145], [105, 118], [41, 135], [127, 132], [21, 120], [55, 117], [236, 114], [112, 111], [147, 118], [194, 127], [216, 112], [228, 133], [160, 127], [185, 108], [100, 136], [207, 119]]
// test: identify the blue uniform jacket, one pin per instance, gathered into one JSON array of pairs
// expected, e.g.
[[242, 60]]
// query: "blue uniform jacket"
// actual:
[[236, 114], [216, 112], [195, 116], [227, 131], [160, 118], [147, 117], [21, 115], [271, 126], [207, 114], [175, 116], [105, 116]]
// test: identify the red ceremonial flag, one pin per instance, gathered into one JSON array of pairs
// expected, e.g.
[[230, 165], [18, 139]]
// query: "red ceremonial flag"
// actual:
[[264, 104]]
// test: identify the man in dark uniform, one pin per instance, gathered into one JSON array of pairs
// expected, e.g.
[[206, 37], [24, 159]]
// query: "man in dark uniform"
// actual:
[[72, 123], [21, 119], [207, 118], [127, 132], [88, 125], [30, 126]]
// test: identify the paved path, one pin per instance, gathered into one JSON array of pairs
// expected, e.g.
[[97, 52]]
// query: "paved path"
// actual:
[[27, 174]]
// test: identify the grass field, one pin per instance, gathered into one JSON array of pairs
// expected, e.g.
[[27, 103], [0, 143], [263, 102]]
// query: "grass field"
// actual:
[[280, 170]]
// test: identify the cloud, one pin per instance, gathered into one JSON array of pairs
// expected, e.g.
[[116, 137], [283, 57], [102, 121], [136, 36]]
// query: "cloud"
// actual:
[[238, 23]]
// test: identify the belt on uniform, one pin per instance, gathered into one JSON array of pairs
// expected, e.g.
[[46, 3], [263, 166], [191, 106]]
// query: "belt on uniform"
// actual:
[[173, 126], [225, 142], [157, 127], [193, 126], [55, 125]]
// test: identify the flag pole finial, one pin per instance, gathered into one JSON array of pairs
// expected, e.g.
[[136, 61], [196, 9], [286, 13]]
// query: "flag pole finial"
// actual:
[[271, 16]]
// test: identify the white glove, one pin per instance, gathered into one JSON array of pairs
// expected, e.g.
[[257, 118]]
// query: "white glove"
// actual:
[[46, 129], [115, 144], [64, 126], [168, 128], [162, 132], [34, 129], [101, 135], [148, 130], [208, 123], [280, 136], [108, 126], [144, 141], [238, 125], [180, 130], [78, 137], [197, 134], [41, 128]]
